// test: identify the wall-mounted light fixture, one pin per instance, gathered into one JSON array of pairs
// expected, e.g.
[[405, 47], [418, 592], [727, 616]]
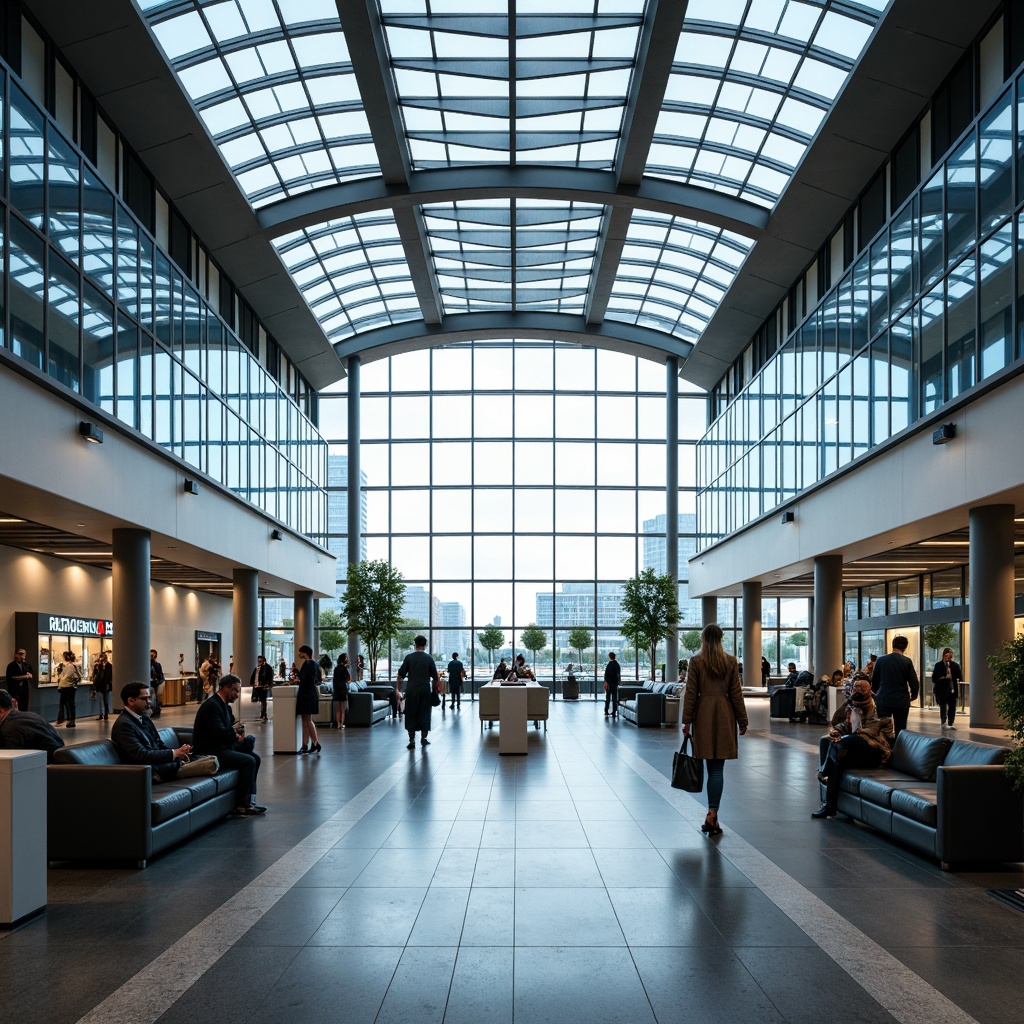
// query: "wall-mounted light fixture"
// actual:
[[276, 535], [90, 432], [788, 516], [944, 434], [191, 487]]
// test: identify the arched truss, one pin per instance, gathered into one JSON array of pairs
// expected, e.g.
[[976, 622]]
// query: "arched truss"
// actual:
[[468, 327], [564, 184]]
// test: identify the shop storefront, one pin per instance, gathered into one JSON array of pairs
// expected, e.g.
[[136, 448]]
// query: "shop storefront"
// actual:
[[45, 637]]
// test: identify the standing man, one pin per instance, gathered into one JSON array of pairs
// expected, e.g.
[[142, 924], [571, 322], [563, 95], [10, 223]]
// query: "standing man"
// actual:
[[421, 671], [19, 675], [612, 675], [456, 673], [895, 684], [946, 678], [156, 682], [262, 680], [217, 733]]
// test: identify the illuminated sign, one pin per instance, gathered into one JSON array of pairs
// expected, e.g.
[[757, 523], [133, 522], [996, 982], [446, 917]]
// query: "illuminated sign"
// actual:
[[69, 625]]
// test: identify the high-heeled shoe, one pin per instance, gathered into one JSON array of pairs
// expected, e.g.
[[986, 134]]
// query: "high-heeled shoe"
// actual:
[[711, 826], [303, 749], [315, 748]]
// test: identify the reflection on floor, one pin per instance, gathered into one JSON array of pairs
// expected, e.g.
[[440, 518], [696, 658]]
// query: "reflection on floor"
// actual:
[[571, 885]]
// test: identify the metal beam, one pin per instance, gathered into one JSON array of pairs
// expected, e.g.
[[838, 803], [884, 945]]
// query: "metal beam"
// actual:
[[524, 182], [658, 41], [364, 37], [465, 327]]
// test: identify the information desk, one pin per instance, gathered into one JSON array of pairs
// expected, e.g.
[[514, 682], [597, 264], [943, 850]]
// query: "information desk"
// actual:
[[510, 703]]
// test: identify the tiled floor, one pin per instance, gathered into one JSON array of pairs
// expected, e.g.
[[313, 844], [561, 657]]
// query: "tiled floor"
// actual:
[[570, 885]]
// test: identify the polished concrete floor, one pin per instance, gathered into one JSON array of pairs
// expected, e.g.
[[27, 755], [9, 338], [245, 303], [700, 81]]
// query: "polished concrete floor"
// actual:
[[570, 885]]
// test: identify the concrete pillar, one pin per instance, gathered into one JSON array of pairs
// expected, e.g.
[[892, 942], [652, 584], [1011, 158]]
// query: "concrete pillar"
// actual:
[[752, 633], [130, 609], [991, 603], [245, 643], [303, 620], [828, 615], [354, 525], [672, 500]]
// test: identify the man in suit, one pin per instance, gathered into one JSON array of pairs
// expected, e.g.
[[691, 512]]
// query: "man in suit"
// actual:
[[216, 733], [19, 675], [23, 730], [137, 739], [946, 679], [156, 682], [262, 681], [895, 684]]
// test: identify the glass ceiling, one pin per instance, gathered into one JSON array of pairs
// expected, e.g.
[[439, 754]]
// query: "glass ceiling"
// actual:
[[502, 84]]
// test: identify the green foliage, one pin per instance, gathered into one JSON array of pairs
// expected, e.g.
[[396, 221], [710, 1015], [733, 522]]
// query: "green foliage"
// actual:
[[408, 630], [1008, 673], [940, 635], [534, 639], [580, 641], [798, 640], [690, 640], [651, 606], [372, 606], [490, 639], [332, 637]]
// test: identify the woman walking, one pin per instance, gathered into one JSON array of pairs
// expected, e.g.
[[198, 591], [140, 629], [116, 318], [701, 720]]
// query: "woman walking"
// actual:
[[308, 703], [69, 675], [713, 706], [341, 679]]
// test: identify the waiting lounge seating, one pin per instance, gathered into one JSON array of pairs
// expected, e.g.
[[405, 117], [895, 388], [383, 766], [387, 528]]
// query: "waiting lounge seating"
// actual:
[[949, 799], [100, 809]]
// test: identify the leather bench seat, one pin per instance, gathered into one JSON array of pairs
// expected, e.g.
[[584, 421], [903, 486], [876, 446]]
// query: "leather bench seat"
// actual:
[[99, 809]]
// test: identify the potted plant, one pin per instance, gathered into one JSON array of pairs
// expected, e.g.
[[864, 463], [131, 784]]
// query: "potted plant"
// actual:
[[1008, 673]]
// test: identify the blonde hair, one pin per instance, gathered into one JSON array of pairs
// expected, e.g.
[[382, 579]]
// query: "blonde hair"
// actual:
[[712, 654]]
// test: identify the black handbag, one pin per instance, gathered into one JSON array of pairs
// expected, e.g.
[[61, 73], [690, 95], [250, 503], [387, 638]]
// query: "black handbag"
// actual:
[[687, 770], [435, 698]]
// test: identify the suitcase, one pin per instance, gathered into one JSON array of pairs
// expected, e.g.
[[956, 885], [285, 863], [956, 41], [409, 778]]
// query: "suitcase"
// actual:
[[782, 703], [571, 689]]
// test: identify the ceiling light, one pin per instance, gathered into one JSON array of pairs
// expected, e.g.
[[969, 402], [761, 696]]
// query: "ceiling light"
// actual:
[[90, 432]]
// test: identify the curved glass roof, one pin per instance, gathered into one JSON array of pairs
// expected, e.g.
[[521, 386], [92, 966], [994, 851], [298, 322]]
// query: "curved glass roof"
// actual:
[[299, 95]]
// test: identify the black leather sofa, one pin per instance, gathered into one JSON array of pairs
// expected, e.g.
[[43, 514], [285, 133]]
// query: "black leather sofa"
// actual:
[[644, 705], [99, 809], [368, 703], [948, 799]]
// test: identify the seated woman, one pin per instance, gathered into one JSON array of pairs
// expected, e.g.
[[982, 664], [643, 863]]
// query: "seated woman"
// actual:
[[857, 742]]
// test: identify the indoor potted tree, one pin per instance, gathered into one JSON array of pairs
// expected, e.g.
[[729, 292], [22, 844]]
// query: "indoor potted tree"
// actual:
[[1008, 672]]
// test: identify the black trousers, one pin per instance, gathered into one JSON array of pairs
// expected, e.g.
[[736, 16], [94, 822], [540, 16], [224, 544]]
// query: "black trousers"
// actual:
[[611, 696], [248, 766], [899, 717], [947, 706], [455, 693], [849, 752], [66, 709]]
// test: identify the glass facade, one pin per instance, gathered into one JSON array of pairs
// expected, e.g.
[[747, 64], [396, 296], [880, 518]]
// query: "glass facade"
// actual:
[[517, 483], [96, 305], [928, 309]]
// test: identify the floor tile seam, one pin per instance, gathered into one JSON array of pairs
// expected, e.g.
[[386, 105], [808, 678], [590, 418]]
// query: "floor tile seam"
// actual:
[[898, 989], [182, 964]]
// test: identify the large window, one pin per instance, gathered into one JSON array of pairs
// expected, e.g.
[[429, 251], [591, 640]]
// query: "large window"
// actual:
[[517, 484]]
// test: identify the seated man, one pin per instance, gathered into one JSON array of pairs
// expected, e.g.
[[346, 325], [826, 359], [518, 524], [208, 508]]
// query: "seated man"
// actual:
[[858, 742], [138, 741], [25, 730], [216, 733], [520, 669]]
